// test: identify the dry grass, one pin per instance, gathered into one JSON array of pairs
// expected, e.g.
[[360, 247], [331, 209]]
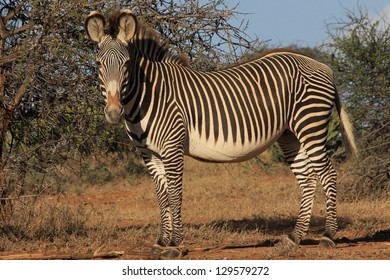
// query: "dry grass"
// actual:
[[224, 206]]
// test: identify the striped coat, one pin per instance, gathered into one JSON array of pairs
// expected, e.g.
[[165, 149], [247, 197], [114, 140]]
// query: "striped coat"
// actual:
[[171, 110]]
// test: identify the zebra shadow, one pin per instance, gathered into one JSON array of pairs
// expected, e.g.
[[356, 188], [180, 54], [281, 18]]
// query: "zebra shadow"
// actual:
[[276, 226]]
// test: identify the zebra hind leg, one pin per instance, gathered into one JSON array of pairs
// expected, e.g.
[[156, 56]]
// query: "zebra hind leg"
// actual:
[[328, 179], [327, 176], [300, 165]]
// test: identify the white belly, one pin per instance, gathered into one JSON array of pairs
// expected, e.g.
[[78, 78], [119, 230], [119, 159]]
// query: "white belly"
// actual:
[[221, 151]]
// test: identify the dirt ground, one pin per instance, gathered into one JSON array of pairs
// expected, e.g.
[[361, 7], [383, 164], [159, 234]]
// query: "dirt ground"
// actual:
[[228, 213], [350, 244]]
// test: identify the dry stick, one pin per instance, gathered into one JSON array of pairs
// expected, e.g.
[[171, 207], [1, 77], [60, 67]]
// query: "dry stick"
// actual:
[[101, 255]]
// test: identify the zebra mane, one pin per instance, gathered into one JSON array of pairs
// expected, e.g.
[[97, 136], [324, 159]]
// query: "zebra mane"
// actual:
[[265, 53], [148, 42]]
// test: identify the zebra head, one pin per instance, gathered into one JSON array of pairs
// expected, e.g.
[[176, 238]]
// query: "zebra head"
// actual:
[[113, 57]]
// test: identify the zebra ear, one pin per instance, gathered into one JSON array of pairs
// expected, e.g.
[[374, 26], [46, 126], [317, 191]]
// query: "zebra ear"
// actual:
[[94, 26], [127, 23]]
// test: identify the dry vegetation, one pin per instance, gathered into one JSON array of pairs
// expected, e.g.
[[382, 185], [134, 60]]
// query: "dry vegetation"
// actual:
[[49, 124], [234, 211]]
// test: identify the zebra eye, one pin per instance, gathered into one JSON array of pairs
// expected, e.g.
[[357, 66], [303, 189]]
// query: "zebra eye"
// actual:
[[98, 63]]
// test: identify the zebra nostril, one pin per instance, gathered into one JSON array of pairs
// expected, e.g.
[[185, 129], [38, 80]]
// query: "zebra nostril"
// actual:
[[114, 113]]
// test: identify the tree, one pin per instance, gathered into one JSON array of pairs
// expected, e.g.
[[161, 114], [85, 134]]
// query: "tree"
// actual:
[[51, 109], [201, 30], [13, 46], [360, 48]]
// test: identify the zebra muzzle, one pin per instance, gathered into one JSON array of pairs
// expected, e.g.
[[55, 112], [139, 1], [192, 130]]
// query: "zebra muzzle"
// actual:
[[114, 110]]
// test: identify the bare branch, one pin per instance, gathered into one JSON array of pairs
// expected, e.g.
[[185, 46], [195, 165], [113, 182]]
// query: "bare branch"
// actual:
[[94, 4], [3, 31], [22, 90], [76, 256], [9, 58], [14, 12], [21, 29]]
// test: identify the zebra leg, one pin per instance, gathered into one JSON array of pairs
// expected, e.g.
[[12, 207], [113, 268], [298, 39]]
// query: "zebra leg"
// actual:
[[157, 171], [173, 163], [328, 178], [300, 165], [173, 159], [175, 201], [307, 181], [327, 175]]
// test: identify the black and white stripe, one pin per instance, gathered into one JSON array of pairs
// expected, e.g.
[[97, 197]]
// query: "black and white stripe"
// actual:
[[231, 115]]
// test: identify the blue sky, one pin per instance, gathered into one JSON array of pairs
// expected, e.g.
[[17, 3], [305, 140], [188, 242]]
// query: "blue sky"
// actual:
[[302, 22]]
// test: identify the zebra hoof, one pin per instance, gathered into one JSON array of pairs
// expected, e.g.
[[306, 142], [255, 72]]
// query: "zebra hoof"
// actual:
[[167, 253], [170, 254], [288, 242], [326, 242]]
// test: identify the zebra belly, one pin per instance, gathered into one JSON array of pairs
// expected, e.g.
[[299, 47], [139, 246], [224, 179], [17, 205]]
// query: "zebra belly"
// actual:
[[220, 151]]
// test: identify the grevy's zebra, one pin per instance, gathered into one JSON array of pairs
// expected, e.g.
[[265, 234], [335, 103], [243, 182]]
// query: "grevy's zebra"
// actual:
[[171, 110]]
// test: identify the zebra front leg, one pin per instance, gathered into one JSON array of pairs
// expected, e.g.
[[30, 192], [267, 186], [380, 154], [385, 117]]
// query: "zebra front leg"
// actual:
[[175, 200], [174, 162], [157, 171]]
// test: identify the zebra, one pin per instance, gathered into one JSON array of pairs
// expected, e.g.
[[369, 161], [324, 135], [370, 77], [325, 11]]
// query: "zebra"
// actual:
[[171, 110]]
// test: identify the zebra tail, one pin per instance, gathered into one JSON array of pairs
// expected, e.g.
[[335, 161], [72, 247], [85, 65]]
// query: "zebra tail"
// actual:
[[346, 128]]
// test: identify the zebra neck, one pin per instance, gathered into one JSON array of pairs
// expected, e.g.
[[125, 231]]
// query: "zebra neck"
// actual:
[[146, 89]]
